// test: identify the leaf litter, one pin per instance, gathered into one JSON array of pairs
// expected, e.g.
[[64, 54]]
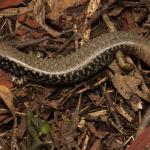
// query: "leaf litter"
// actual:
[[103, 112]]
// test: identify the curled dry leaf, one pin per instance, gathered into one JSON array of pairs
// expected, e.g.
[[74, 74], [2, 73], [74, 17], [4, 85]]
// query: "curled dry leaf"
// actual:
[[129, 85], [136, 103], [5, 79], [39, 12], [7, 97], [5, 92]]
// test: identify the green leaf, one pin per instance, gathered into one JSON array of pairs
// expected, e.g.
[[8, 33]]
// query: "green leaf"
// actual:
[[46, 128]]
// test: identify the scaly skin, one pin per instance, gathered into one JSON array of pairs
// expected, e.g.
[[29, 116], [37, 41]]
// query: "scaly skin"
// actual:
[[78, 65]]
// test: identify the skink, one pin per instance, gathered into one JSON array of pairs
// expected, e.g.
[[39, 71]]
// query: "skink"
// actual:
[[78, 65]]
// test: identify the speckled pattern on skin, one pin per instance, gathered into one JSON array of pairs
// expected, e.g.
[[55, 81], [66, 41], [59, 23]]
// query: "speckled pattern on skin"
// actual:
[[78, 65]]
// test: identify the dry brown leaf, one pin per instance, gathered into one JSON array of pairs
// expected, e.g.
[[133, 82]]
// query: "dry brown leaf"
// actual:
[[128, 22], [7, 97], [53, 104], [3, 117], [17, 11], [5, 79], [9, 3], [129, 85], [95, 98], [68, 130], [58, 6], [96, 145], [39, 12], [21, 128]]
